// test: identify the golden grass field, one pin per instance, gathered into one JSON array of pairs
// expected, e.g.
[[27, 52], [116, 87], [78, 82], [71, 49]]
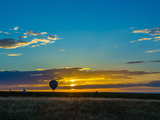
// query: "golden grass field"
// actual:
[[54, 108]]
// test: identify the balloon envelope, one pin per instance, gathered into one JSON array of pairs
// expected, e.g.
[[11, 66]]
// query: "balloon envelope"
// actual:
[[53, 84]]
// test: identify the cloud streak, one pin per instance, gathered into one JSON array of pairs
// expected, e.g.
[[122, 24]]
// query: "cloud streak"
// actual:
[[153, 51], [61, 50], [155, 61], [135, 62], [30, 33], [143, 39], [80, 78], [53, 37], [16, 28], [12, 43], [17, 54]]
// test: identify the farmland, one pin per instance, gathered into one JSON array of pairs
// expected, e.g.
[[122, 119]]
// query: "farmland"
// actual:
[[77, 106]]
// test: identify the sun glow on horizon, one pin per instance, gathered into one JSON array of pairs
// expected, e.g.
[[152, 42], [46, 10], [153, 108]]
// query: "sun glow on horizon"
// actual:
[[72, 85], [72, 80]]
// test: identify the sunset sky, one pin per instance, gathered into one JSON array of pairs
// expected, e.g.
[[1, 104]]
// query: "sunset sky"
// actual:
[[89, 45]]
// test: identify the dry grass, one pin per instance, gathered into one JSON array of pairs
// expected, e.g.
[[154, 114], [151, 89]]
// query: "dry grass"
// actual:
[[17, 108]]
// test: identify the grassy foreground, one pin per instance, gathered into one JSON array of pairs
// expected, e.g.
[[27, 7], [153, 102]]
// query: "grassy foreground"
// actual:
[[53, 108]]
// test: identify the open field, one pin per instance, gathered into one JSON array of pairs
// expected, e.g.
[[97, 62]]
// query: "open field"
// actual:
[[82, 94], [62, 108]]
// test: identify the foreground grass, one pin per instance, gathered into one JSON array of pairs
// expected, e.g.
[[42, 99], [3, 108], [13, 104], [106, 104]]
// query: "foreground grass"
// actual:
[[28, 108]]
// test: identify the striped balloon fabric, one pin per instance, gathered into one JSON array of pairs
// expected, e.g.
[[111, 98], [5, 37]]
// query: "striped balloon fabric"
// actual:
[[53, 84]]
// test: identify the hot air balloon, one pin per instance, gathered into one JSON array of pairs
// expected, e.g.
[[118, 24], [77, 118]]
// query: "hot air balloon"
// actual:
[[53, 84]]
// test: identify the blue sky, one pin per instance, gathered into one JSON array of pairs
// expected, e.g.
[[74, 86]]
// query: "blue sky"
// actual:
[[99, 34], [95, 33]]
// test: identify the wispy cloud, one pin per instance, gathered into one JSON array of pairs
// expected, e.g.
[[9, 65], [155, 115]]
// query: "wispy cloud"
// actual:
[[61, 50], [22, 37], [43, 33], [30, 33], [53, 37], [150, 31], [141, 31], [34, 45], [152, 51], [29, 38], [133, 41], [135, 62], [7, 33], [142, 39], [157, 38], [12, 43], [17, 54], [155, 61], [16, 28]]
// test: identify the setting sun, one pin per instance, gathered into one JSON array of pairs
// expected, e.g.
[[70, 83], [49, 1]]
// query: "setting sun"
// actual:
[[72, 80], [72, 85]]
